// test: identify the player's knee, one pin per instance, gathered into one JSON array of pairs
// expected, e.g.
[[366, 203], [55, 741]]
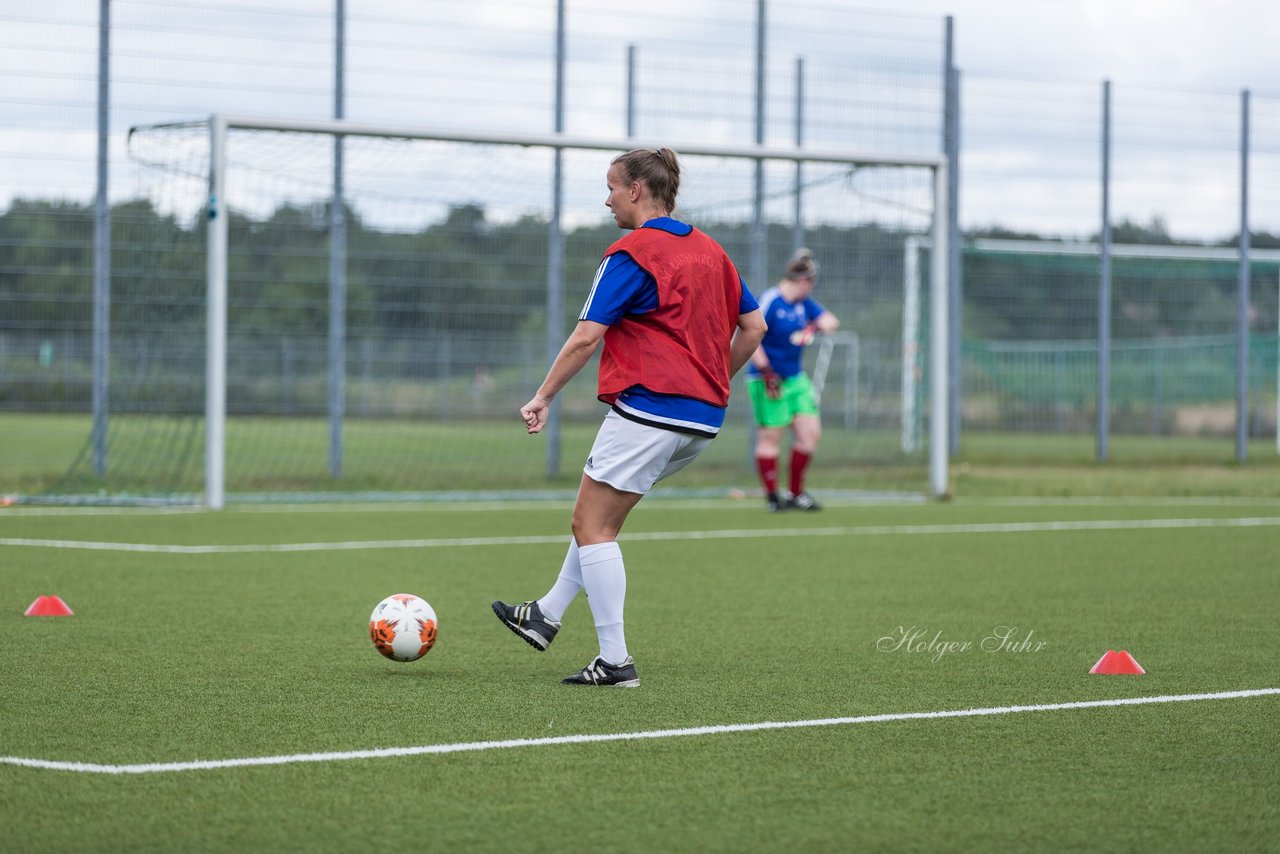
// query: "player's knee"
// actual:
[[768, 441], [590, 536], [588, 531], [806, 443], [578, 525]]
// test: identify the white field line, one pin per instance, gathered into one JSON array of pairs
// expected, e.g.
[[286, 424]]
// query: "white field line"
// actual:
[[1126, 501], [720, 729], [753, 533], [505, 505], [13, 512], [745, 505]]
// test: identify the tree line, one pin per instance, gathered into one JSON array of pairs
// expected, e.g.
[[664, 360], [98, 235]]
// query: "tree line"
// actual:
[[467, 273]]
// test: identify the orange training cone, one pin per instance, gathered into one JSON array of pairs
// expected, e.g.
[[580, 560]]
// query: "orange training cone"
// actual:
[[48, 606], [1117, 663]]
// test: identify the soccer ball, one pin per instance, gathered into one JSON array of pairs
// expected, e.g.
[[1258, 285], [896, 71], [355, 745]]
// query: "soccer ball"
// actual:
[[403, 627]]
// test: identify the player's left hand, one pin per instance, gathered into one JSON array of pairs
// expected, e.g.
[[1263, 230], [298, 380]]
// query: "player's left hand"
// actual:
[[772, 384]]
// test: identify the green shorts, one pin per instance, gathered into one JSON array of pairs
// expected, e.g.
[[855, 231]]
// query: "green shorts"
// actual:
[[796, 399]]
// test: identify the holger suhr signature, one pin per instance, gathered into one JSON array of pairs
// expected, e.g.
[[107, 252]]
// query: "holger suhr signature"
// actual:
[[916, 639]]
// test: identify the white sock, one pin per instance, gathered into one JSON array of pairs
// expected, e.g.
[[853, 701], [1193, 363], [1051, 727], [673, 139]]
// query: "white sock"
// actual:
[[605, 580], [568, 583]]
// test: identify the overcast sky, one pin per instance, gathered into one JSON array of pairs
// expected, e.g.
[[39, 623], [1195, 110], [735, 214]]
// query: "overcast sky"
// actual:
[[1230, 44], [1174, 154], [1032, 72]]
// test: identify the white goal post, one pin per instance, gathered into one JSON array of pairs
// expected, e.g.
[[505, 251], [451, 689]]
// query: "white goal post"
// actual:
[[217, 260]]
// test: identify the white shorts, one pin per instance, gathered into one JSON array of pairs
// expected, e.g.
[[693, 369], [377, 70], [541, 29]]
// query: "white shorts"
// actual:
[[632, 457]]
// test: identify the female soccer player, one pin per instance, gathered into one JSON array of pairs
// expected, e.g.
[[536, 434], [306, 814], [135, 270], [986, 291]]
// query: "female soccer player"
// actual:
[[781, 393], [677, 323]]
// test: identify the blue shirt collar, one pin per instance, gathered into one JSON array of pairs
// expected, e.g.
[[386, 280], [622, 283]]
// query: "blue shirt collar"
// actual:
[[669, 225]]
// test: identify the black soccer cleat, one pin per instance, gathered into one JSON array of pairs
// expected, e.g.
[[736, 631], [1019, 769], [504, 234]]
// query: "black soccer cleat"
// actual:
[[775, 503], [528, 622], [803, 501], [606, 675]]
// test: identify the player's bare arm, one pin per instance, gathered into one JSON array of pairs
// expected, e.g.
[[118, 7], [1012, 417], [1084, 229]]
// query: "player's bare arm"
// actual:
[[575, 353], [751, 329]]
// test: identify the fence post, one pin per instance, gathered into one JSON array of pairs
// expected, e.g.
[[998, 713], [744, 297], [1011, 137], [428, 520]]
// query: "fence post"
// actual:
[[797, 234], [758, 271], [939, 305], [910, 404], [555, 252], [219, 214], [759, 229], [1104, 285], [102, 249], [338, 259], [631, 91], [951, 148], [1242, 291]]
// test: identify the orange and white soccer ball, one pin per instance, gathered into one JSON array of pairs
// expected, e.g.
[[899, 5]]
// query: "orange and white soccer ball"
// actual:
[[403, 627]]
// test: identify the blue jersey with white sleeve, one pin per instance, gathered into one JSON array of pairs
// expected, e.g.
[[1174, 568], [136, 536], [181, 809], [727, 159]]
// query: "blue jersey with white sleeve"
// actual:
[[785, 319], [621, 288]]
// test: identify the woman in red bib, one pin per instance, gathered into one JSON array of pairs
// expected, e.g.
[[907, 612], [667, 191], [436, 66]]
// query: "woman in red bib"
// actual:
[[677, 323]]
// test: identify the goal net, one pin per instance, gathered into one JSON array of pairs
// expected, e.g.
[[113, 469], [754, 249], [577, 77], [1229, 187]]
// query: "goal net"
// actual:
[[1031, 365], [384, 348]]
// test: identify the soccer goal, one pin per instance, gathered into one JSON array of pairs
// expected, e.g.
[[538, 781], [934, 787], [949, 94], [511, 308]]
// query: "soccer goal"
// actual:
[[329, 308], [1173, 360]]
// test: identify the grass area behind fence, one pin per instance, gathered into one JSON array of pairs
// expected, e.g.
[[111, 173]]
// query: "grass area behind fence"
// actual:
[[290, 455]]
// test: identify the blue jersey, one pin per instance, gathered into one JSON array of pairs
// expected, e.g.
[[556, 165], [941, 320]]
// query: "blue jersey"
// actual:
[[784, 319], [622, 287]]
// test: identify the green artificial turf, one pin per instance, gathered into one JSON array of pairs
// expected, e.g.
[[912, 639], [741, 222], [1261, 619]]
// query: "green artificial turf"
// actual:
[[227, 655]]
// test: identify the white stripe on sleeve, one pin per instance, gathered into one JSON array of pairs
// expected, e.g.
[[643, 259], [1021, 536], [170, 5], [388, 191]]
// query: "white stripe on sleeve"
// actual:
[[594, 283]]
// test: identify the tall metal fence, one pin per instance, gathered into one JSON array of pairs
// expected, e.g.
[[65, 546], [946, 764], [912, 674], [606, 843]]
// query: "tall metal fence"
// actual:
[[787, 73]]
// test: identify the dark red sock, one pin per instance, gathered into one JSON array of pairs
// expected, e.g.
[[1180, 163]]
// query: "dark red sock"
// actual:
[[768, 468], [799, 462]]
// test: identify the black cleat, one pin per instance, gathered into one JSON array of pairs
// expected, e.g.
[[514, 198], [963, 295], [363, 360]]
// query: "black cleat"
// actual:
[[606, 675], [803, 501], [527, 621], [774, 503]]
